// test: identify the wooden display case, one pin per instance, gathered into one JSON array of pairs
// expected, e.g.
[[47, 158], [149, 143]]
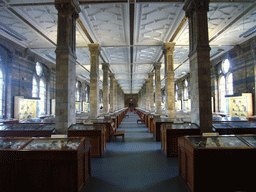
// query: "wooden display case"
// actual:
[[44, 164], [170, 134], [97, 134], [157, 127], [25, 108], [240, 106], [27, 130], [107, 123], [217, 163]]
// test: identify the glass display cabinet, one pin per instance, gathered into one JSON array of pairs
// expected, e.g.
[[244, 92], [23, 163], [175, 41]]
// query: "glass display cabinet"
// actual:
[[170, 133], [44, 164], [27, 130], [97, 134], [157, 127], [219, 162]]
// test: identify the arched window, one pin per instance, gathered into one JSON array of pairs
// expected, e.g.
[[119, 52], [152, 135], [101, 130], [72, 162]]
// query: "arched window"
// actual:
[[222, 93], [42, 95], [225, 84], [229, 84], [1, 92], [185, 93], [34, 87]]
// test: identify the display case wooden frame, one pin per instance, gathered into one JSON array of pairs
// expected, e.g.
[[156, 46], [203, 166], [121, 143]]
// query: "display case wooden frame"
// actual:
[[96, 133], [170, 134], [37, 130], [218, 168], [45, 170]]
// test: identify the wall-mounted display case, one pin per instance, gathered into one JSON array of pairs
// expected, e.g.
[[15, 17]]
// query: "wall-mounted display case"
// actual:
[[178, 105], [86, 106], [78, 106], [219, 162], [240, 106], [25, 108], [187, 105], [44, 164]]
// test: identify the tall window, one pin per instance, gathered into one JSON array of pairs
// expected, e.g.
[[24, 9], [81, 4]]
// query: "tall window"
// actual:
[[34, 87], [77, 91], [222, 93], [185, 93], [1, 92], [42, 95], [176, 92], [225, 84], [229, 84]]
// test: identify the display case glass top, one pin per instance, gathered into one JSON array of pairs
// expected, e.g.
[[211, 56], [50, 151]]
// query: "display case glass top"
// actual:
[[3, 127], [229, 119], [23, 127], [221, 125], [165, 120], [12, 143], [250, 139], [47, 127], [242, 125], [218, 141], [53, 144], [181, 126], [82, 127]]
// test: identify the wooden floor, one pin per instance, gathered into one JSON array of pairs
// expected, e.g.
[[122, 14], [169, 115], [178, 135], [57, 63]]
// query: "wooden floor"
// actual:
[[135, 165]]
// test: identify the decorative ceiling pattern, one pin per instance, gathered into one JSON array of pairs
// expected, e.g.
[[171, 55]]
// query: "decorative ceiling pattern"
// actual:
[[131, 35]]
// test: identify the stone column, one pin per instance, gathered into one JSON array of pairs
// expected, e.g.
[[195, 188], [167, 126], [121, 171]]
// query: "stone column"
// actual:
[[151, 93], [111, 93], [94, 80], [66, 64], [169, 79], [157, 87], [201, 112], [147, 95], [115, 94], [105, 67]]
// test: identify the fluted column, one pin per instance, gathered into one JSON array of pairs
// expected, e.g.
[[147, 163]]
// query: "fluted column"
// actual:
[[151, 93], [105, 68], [111, 93], [66, 64], [169, 79], [115, 94], [157, 67], [199, 56], [94, 80]]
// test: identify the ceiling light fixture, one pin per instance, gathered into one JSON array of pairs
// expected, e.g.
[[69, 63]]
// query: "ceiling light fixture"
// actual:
[[12, 32]]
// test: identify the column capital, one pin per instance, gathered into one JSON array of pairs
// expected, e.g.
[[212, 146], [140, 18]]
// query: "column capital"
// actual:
[[157, 65], [197, 5], [67, 6], [94, 48], [105, 66], [151, 75], [111, 75], [147, 81], [115, 81], [169, 46]]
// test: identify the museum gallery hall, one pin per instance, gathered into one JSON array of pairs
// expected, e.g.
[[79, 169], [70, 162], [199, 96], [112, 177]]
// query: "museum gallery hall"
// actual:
[[127, 95]]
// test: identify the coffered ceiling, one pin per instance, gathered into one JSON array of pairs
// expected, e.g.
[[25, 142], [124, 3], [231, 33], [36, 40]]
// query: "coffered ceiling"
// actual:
[[130, 33]]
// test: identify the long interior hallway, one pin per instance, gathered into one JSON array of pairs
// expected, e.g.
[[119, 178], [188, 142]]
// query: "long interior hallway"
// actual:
[[136, 164]]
